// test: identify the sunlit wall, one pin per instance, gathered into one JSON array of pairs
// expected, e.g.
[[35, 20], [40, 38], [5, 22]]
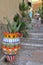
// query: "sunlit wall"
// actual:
[[8, 8]]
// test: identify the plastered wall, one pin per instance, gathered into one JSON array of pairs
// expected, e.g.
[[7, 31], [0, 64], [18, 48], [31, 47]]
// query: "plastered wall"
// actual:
[[9, 8]]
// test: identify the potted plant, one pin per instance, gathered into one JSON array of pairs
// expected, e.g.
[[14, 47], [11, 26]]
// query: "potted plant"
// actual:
[[16, 30], [24, 12], [11, 40], [23, 8]]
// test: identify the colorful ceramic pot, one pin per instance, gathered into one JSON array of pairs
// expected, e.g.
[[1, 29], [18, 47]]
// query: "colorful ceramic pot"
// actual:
[[10, 43]]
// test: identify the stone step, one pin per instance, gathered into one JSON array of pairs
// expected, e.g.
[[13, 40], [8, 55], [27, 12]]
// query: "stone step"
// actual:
[[32, 44], [36, 35], [35, 31], [32, 40]]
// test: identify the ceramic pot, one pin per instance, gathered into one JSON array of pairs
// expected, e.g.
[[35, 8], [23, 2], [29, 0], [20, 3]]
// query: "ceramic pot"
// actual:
[[10, 45]]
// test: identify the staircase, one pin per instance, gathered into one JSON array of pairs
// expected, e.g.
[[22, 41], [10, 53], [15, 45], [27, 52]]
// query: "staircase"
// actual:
[[35, 37]]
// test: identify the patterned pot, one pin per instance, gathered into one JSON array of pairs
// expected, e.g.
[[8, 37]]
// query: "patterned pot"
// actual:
[[10, 43]]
